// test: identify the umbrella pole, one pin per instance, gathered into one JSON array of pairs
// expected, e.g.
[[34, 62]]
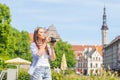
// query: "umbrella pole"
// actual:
[[17, 71]]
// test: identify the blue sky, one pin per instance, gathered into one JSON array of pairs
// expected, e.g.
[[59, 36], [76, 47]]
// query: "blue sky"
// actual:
[[77, 21]]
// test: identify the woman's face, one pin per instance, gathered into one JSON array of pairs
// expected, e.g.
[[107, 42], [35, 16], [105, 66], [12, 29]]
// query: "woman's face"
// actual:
[[41, 33]]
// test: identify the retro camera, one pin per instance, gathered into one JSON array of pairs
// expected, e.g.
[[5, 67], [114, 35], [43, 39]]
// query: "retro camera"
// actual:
[[53, 40]]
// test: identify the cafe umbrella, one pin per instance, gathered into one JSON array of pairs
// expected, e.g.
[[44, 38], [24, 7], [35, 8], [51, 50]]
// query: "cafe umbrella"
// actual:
[[63, 63], [18, 61]]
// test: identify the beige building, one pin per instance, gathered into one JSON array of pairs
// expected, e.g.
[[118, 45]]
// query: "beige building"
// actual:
[[88, 58], [52, 32]]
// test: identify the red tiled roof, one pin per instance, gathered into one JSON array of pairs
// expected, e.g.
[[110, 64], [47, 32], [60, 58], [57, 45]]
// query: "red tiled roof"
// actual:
[[82, 47], [100, 49]]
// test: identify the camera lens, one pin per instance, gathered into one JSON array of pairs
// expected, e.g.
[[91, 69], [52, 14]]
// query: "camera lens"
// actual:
[[53, 40]]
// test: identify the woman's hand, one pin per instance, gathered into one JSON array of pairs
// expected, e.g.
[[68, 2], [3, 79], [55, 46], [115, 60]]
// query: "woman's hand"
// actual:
[[53, 45], [47, 39]]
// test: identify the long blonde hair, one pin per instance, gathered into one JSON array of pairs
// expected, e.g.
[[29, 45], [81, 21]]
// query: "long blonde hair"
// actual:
[[35, 38]]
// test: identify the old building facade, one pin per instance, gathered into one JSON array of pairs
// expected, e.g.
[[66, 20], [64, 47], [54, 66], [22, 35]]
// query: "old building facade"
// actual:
[[88, 58], [52, 32]]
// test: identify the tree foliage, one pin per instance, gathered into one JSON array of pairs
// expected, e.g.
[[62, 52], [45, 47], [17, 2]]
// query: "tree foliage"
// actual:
[[20, 44], [24, 44], [13, 43], [5, 29], [60, 49]]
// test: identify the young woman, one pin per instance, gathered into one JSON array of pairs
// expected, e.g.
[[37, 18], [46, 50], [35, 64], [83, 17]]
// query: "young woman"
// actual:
[[41, 54]]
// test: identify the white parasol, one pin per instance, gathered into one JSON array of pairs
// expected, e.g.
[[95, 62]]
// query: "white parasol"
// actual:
[[63, 63], [17, 61]]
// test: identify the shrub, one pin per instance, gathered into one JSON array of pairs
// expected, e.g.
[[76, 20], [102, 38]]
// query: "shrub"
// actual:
[[70, 75], [23, 74], [69, 72], [57, 76]]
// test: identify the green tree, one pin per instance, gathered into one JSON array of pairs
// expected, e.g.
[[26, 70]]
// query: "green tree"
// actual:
[[21, 44], [25, 44], [5, 29], [14, 40], [13, 43], [60, 49]]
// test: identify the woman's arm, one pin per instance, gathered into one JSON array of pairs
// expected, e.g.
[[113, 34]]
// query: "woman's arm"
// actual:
[[53, 56]]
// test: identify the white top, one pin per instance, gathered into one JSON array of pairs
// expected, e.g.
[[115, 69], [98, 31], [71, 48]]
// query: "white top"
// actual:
[[43, 60]]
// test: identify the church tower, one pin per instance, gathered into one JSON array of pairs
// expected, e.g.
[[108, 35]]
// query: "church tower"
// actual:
[[104, 29]]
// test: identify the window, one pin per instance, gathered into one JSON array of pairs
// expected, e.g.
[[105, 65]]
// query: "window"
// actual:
[[96, 58], [96, 65], [91, 65]]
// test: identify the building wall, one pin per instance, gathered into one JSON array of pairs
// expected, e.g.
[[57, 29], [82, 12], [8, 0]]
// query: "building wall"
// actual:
[[87, 62], [95, 63], [111, 55]]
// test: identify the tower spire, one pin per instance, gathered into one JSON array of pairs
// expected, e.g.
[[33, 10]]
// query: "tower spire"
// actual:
[[104, 28]]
